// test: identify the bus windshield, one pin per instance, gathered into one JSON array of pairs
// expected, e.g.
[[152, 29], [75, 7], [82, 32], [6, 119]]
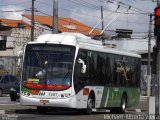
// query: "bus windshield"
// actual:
[[48, 66]]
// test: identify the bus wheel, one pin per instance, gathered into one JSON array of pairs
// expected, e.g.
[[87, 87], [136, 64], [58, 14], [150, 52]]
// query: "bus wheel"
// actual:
[[88, 110], [90, 105], [42, 110], [123, 104]]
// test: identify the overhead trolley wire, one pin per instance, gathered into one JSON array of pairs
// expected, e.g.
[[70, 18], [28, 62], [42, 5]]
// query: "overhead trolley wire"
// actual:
[[127, 5]]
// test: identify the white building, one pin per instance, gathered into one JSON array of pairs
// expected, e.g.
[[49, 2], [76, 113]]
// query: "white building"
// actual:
[[16, 33]]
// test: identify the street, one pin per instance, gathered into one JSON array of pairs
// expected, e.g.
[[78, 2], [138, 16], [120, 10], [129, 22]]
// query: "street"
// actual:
[[14, 111]]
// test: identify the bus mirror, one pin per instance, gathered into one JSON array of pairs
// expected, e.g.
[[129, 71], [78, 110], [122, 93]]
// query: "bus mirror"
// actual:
[[82, 66]]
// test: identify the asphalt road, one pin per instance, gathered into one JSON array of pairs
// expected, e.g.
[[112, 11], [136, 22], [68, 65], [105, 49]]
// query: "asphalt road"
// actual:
[[31, 114], [14, 111]]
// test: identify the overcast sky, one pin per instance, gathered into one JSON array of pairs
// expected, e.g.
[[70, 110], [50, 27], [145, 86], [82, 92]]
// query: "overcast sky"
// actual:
[[133, 13]]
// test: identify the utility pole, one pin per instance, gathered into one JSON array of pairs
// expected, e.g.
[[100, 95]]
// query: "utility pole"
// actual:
[[151, 98], [102, 20], [149, 58], [55, 17], [32, 22]]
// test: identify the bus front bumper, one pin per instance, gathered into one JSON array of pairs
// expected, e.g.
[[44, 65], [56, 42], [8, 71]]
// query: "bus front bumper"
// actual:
[[64, 103]]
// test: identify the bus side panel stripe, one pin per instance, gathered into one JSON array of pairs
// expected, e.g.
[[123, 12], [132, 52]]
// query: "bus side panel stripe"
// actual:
[[106, 101], [104, 97]]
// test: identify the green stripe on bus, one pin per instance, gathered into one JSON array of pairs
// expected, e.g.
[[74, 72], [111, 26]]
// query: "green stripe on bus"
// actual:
[[25, 89], [104, 97]]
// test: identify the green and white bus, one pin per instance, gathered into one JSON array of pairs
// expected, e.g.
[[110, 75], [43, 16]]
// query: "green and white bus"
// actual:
[[70, 70]]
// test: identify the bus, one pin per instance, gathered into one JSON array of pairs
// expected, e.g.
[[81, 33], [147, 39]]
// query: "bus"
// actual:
[[71, 70]]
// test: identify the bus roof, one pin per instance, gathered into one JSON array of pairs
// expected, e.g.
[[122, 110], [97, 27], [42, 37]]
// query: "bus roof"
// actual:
[[81, 41]]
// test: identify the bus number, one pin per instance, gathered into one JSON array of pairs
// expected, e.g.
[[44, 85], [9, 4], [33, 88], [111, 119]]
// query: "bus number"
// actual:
[[52, 94]]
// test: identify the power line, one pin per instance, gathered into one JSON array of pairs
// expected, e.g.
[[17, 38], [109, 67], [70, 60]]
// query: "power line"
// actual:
[[92, 15], [85, 4], [83, 25], [61, 19], [89, 6], [106, 18], [51, 15], [70, 22], [69, 10], [127, 5]]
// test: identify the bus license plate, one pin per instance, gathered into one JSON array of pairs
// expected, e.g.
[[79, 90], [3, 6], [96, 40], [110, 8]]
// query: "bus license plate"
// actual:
[[44, 101]]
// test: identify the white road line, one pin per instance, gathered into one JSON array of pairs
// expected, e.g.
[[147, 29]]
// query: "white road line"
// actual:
[[12, 104], [2, 101]]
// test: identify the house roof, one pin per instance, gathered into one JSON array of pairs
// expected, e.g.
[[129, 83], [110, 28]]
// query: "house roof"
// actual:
[[66, 25], [13, 23]]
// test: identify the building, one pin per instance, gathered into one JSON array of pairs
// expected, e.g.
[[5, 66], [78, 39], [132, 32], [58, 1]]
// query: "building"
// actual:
[[14, 34], [64, 25], [9, 40]]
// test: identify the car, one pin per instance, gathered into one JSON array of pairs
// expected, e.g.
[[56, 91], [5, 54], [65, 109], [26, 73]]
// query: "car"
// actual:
[[7, 82], [15, 92]]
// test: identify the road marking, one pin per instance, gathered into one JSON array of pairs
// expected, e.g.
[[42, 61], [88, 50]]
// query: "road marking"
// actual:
[[1, 101], [10, 104]]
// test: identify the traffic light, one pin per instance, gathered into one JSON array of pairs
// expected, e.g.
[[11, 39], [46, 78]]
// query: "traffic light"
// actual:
[[2, 44], [157, 22]]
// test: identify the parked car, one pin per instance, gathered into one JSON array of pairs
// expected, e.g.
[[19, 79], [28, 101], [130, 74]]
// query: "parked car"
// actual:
[[6, 83], [15, 92]]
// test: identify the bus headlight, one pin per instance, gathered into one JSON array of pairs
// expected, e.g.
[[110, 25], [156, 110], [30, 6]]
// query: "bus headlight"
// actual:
[[65, 95]]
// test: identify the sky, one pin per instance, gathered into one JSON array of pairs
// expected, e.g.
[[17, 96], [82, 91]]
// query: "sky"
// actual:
[[132, 14]]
